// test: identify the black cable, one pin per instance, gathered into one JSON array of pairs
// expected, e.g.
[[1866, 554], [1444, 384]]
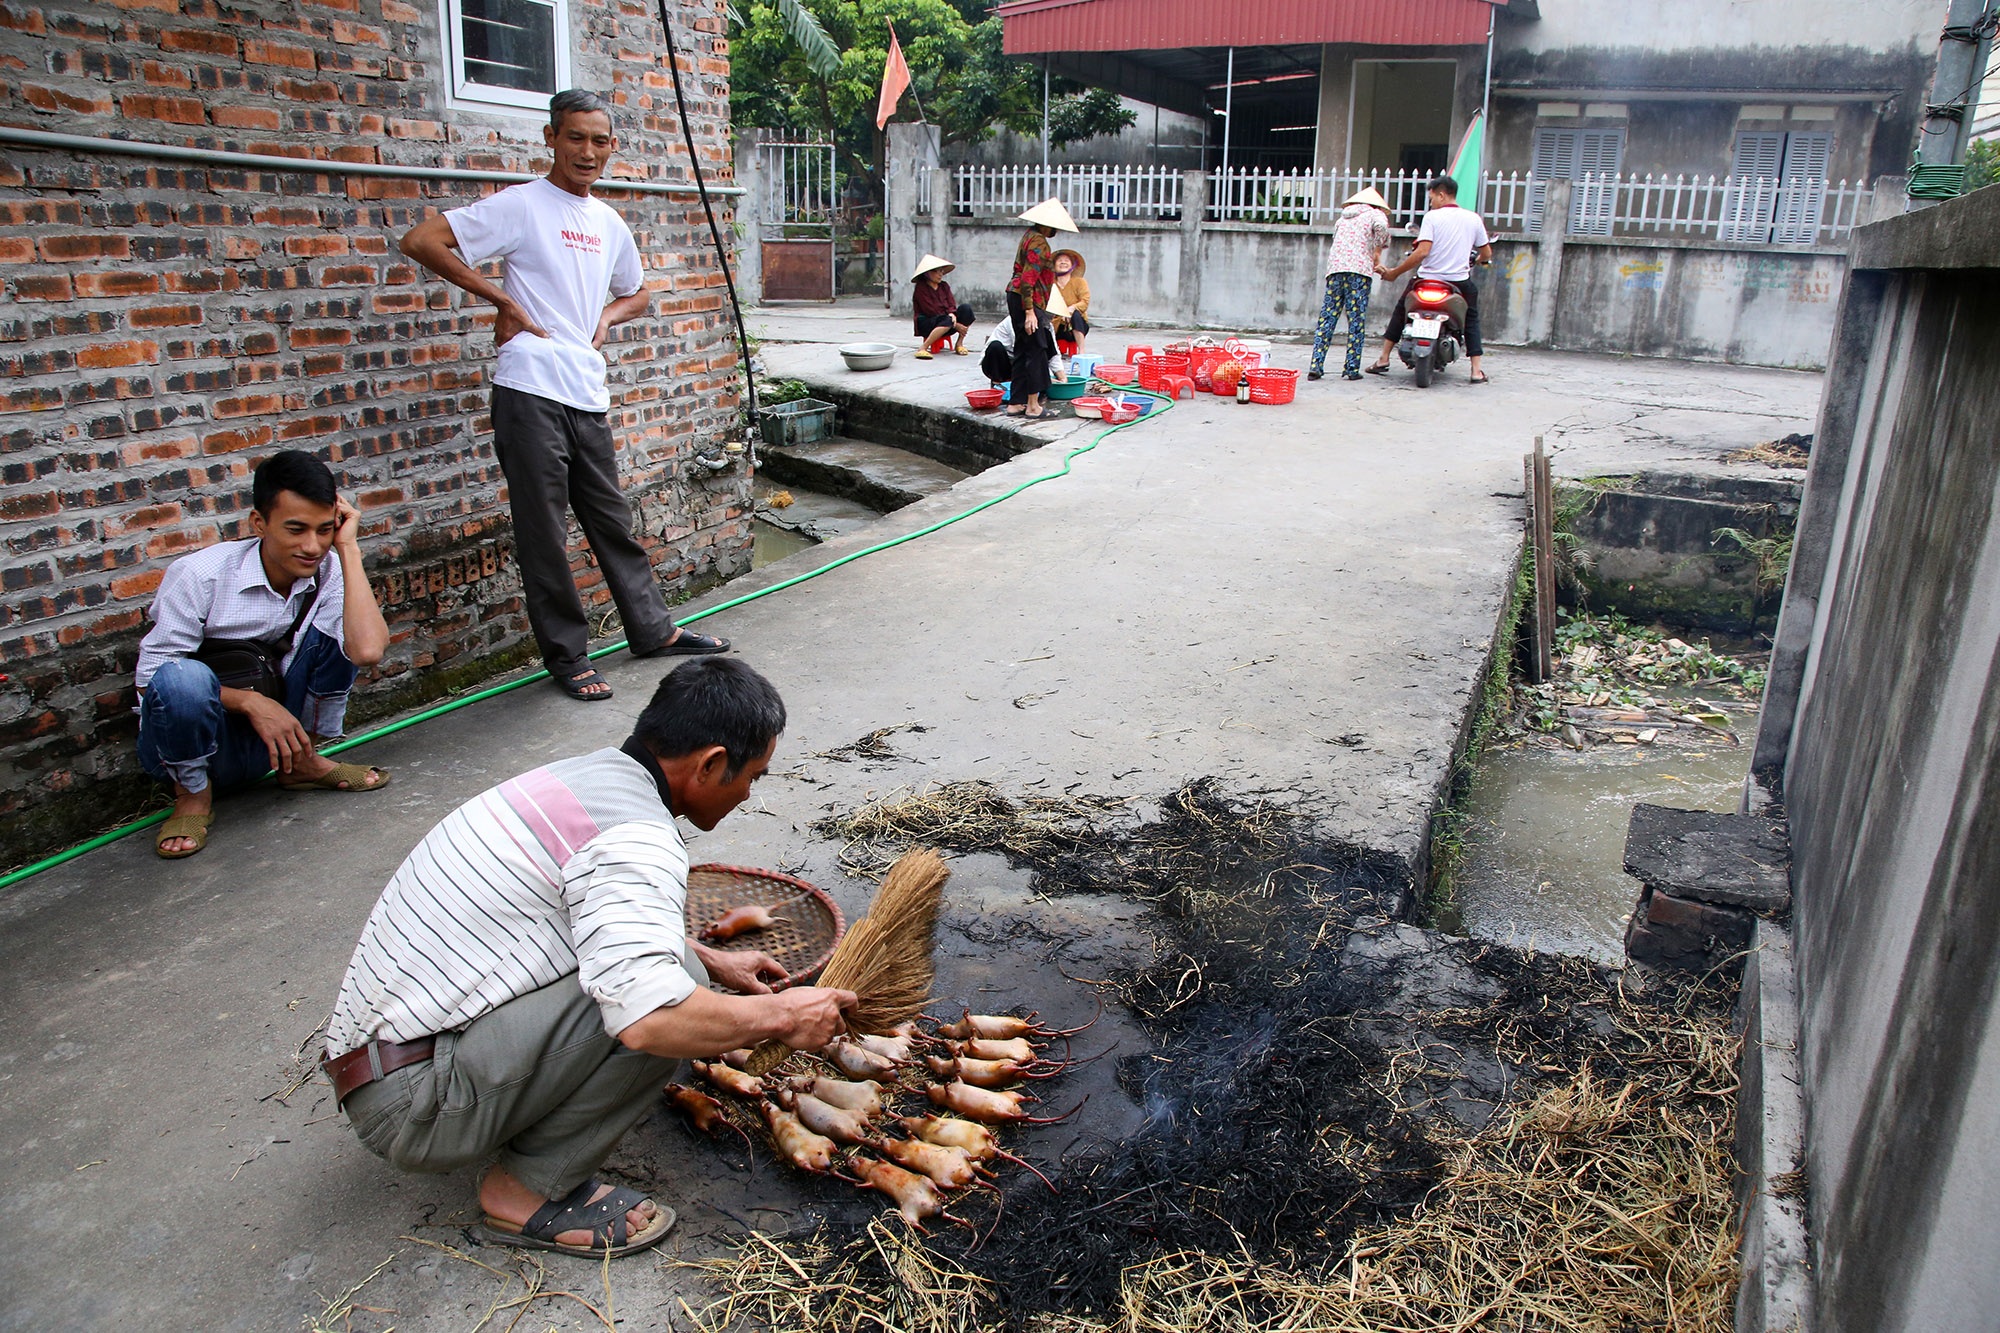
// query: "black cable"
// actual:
[[701, 188]]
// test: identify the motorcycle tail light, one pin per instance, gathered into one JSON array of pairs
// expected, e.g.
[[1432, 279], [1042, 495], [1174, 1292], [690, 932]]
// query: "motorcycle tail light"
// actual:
[[1432, 293]]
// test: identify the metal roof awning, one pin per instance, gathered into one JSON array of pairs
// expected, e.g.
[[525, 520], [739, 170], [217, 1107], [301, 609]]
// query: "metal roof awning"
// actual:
[[1041, 27]]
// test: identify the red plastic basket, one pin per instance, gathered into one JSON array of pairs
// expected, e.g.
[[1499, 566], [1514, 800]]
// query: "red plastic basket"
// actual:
[[1154, 370], [1201, 361], [1273, 387]]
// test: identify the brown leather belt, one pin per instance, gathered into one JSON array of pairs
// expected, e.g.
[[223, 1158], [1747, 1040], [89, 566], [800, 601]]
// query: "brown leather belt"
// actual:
[[364, 1064]]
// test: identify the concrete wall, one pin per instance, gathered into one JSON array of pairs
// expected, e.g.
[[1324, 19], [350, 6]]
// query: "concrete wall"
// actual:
[[1772, 308], [1881, 734]]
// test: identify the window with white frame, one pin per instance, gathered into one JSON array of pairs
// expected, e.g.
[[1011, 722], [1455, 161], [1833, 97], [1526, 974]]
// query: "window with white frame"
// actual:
[[507, 53]]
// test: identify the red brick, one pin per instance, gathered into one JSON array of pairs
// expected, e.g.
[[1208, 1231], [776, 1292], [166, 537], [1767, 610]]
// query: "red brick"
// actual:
[[229, 441], [415, 129], [52, 288], [245, 117], [249, 405], [335, 337], [108, 355], [165, 316], [16, 250], [257, 51], [84, 102], [119, 283], [95, 245], [28, 20], [165, 76], [395, 11], [199, 40], [316, 245], [358, 34], [241, 247], [173, 110]]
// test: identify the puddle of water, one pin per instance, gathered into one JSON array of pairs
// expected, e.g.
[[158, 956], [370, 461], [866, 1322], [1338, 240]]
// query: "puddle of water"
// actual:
[[1545, 835], [771, 543]]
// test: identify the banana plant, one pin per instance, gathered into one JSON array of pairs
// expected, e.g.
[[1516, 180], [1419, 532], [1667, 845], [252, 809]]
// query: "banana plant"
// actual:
[[821, 55]]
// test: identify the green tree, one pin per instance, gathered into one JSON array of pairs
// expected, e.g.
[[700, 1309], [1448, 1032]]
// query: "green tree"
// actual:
[[965, 83], [1982, 163]]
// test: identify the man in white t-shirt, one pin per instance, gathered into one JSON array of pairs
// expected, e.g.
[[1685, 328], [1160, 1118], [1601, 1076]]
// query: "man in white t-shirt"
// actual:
[[572, 274], [1449, 242]]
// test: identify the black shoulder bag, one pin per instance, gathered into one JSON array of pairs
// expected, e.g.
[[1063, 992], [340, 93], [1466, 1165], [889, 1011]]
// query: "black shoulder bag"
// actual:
[[255, 664]]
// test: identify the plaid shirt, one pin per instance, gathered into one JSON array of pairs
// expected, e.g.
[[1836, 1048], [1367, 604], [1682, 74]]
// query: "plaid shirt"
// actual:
[[1034, 271]]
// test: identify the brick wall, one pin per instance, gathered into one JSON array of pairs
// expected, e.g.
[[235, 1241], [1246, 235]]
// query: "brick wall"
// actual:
[[164, 326]]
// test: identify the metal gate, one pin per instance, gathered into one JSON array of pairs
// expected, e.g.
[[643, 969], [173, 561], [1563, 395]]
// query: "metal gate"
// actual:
[[795, 210]]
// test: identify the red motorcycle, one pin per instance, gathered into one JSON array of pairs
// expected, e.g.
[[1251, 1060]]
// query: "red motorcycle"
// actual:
[[1436, 329]]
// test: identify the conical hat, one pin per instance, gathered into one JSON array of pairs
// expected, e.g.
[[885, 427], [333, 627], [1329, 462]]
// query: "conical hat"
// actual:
[[929, 262], [1050, 213], [1074, 258], [1372, 196]]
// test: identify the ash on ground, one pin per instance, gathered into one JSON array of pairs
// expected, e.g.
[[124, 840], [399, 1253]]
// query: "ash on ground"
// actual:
[[1321, 1082]]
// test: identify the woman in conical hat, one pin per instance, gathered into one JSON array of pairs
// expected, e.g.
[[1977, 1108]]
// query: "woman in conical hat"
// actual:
[[938, 314], [1027, 305], [1351, 259], [1075, 293]]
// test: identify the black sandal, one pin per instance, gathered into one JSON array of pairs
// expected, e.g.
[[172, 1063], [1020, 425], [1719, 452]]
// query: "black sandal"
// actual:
[[1376, 370], [574, 686], [686, 643], [604, 1220]]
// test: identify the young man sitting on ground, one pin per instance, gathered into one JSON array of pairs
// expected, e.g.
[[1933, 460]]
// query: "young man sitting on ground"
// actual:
[[298, 586], [526, 982]]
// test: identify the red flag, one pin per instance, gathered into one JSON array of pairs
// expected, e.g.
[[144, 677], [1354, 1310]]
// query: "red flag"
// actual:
[[895, 81]]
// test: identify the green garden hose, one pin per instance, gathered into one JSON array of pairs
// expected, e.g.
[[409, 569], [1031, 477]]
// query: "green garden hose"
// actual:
[[12, 878]]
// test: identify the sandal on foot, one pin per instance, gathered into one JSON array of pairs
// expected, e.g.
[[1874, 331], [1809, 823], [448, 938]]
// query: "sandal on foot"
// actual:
[[925, 355], [687, 644], [182, 826], [1479, 379], [604, 1220], [343, 777], [962, 351], [1377, 370], [574, 686]]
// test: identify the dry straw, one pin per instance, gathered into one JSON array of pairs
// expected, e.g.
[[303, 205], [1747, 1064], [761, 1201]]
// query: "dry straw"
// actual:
[[885, 957]]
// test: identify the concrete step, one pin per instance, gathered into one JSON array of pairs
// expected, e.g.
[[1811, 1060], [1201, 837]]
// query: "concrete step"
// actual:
[[811, 514], [877, 475]]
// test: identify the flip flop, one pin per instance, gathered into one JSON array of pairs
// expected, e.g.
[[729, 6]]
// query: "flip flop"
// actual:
[[604, 1220], [1376, 370], [686, 644], [1480, 379], [924, 356], [961, 351], [183, 826], [355, 776], [575, 688]]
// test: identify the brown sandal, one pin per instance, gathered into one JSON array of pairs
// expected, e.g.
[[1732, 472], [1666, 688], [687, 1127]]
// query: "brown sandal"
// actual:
[[344, 777], [194, 827]]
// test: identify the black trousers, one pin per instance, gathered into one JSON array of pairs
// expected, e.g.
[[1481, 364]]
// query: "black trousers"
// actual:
[[559, 458], [1467, 288], [1032, 351], [932, 323]]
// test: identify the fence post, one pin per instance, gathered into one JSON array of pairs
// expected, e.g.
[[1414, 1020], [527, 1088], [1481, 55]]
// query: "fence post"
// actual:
[[1548, 265], [1885, 201], [940, 187], [749, 230], [1194, 210], [912, 151]]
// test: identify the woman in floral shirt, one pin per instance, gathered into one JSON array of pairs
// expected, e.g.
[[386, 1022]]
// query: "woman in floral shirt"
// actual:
[[1027, 306], [1358, 241]]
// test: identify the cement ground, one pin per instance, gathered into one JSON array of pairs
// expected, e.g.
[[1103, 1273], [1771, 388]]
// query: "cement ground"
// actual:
[[1295, 601]]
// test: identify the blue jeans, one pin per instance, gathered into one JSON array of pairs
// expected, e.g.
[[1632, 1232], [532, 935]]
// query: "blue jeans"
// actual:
[[186, 736]]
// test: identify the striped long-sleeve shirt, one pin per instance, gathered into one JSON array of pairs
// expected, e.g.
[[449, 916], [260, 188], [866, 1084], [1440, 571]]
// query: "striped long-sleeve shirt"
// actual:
[[574, 869]]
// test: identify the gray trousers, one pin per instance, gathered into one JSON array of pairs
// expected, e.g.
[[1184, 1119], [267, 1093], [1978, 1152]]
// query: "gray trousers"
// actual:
[[536, 1082], [557, 458]]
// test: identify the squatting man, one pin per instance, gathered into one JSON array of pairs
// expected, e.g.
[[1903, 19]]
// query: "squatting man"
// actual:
[[526, 982]]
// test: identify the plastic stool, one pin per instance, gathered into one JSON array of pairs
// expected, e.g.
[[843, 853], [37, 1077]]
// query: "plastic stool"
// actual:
[[1176, 386]]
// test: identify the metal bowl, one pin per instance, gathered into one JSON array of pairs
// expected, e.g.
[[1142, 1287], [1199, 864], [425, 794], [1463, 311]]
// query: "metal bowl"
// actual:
[[868, 356]]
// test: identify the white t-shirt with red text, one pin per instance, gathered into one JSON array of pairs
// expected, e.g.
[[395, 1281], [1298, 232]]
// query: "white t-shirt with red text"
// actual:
[[566, 256]]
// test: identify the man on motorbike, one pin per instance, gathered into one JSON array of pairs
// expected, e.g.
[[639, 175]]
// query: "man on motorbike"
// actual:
[[1449, 242]]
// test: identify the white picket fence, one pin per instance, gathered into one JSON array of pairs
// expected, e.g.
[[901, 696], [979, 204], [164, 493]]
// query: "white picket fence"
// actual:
[[1734, 210]]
